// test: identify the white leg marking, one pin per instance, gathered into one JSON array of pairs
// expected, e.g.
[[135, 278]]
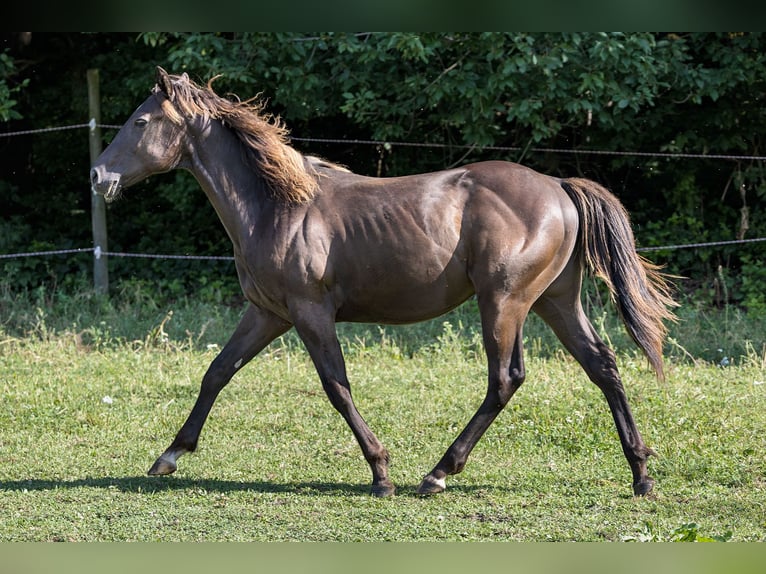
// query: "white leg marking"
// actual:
[[172, 456]]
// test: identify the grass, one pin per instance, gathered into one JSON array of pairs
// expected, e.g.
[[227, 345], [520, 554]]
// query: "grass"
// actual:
[[94, 390]]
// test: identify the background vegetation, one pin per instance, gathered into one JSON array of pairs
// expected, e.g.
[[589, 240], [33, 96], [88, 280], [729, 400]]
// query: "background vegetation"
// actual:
[[699, 93]]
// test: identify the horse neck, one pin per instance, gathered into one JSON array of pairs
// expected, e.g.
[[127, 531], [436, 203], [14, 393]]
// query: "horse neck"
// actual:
[[236, 192]]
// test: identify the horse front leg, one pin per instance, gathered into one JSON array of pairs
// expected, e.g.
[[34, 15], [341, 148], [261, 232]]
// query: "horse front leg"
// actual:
[[256, 329], [316, 327]]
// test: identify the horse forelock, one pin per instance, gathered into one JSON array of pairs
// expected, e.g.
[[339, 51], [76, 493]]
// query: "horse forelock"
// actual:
[[167, 106], [263, 136]]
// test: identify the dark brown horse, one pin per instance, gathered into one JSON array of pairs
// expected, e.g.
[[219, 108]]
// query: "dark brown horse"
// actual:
[[315, 244]]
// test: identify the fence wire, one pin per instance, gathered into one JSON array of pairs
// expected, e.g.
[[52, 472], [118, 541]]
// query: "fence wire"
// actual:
[[99, 253], [669, 155]]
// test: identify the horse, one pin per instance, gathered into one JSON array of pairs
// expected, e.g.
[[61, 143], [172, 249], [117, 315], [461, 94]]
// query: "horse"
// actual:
[[316, 244]]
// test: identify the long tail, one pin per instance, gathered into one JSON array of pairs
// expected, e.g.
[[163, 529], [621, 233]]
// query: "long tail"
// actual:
[[639, 290]]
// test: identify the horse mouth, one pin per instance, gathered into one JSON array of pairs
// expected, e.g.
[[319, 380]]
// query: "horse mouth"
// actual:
[[113, 192], [106, 183], [110, 189]]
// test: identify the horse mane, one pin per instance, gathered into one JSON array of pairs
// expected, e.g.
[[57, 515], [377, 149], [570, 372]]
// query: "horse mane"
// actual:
[[263, 135], [320, 162]]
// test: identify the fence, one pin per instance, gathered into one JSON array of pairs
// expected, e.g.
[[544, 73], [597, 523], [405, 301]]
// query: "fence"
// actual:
[[98, 253], [98, 215]]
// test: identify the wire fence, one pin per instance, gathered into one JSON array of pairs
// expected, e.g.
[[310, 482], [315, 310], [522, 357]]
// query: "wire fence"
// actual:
[[575, 151], [98, 253]]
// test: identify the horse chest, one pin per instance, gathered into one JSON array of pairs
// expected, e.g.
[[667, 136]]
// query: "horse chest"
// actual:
[[260, 282]]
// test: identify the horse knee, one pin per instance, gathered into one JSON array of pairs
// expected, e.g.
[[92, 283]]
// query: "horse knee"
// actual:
[[506, 385], [516, 376]]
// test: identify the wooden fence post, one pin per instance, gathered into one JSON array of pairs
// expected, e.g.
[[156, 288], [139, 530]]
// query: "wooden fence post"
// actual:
[[97, 204]]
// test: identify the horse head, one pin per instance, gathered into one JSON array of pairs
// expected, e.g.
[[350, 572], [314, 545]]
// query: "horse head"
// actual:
[[150, 142]]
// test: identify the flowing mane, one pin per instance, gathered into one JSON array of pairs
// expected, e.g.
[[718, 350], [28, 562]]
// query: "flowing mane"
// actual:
[[263, 136]]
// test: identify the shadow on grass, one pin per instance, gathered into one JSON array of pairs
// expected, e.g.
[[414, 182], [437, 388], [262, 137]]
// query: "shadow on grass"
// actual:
[[152, 485]]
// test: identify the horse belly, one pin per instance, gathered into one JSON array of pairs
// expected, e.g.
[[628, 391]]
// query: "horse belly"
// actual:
[[400, 291]]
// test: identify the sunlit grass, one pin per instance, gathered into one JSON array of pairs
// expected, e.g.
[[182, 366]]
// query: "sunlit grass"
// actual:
[[89, 404]]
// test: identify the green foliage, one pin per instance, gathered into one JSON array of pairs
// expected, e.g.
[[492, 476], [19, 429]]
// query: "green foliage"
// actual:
[[9, 88], [475, 89], [753, 279]]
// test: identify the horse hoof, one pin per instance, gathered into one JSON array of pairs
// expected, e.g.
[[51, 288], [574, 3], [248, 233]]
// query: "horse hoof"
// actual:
[[162, 466], [431, 485], [643, 487], [383, 490]]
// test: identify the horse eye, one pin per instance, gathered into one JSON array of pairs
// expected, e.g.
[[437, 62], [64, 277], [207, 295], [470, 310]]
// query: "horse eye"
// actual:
[[140, 123]]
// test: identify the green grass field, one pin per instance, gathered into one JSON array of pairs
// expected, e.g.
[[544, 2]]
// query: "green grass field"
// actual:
[[94, 391]]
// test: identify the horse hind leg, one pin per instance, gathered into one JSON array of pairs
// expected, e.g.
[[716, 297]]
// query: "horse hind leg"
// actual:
[[564, 313], [501, 325]]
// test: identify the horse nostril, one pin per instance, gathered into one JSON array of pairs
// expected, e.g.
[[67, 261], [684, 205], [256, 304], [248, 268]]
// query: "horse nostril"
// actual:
[[93, 176]]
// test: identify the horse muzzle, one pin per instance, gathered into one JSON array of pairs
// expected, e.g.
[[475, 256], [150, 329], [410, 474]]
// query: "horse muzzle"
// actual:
[[105, 183]]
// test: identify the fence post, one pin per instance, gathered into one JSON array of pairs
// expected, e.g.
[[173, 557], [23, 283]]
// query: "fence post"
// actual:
[[97, 204]]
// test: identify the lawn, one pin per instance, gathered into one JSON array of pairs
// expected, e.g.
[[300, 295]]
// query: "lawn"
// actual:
[[88, 405]]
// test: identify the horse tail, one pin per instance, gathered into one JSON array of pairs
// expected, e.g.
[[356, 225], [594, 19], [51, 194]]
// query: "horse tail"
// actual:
[[639, 290]]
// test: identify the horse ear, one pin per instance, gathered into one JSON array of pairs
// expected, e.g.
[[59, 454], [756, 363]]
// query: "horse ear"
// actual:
[[163, 81]]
